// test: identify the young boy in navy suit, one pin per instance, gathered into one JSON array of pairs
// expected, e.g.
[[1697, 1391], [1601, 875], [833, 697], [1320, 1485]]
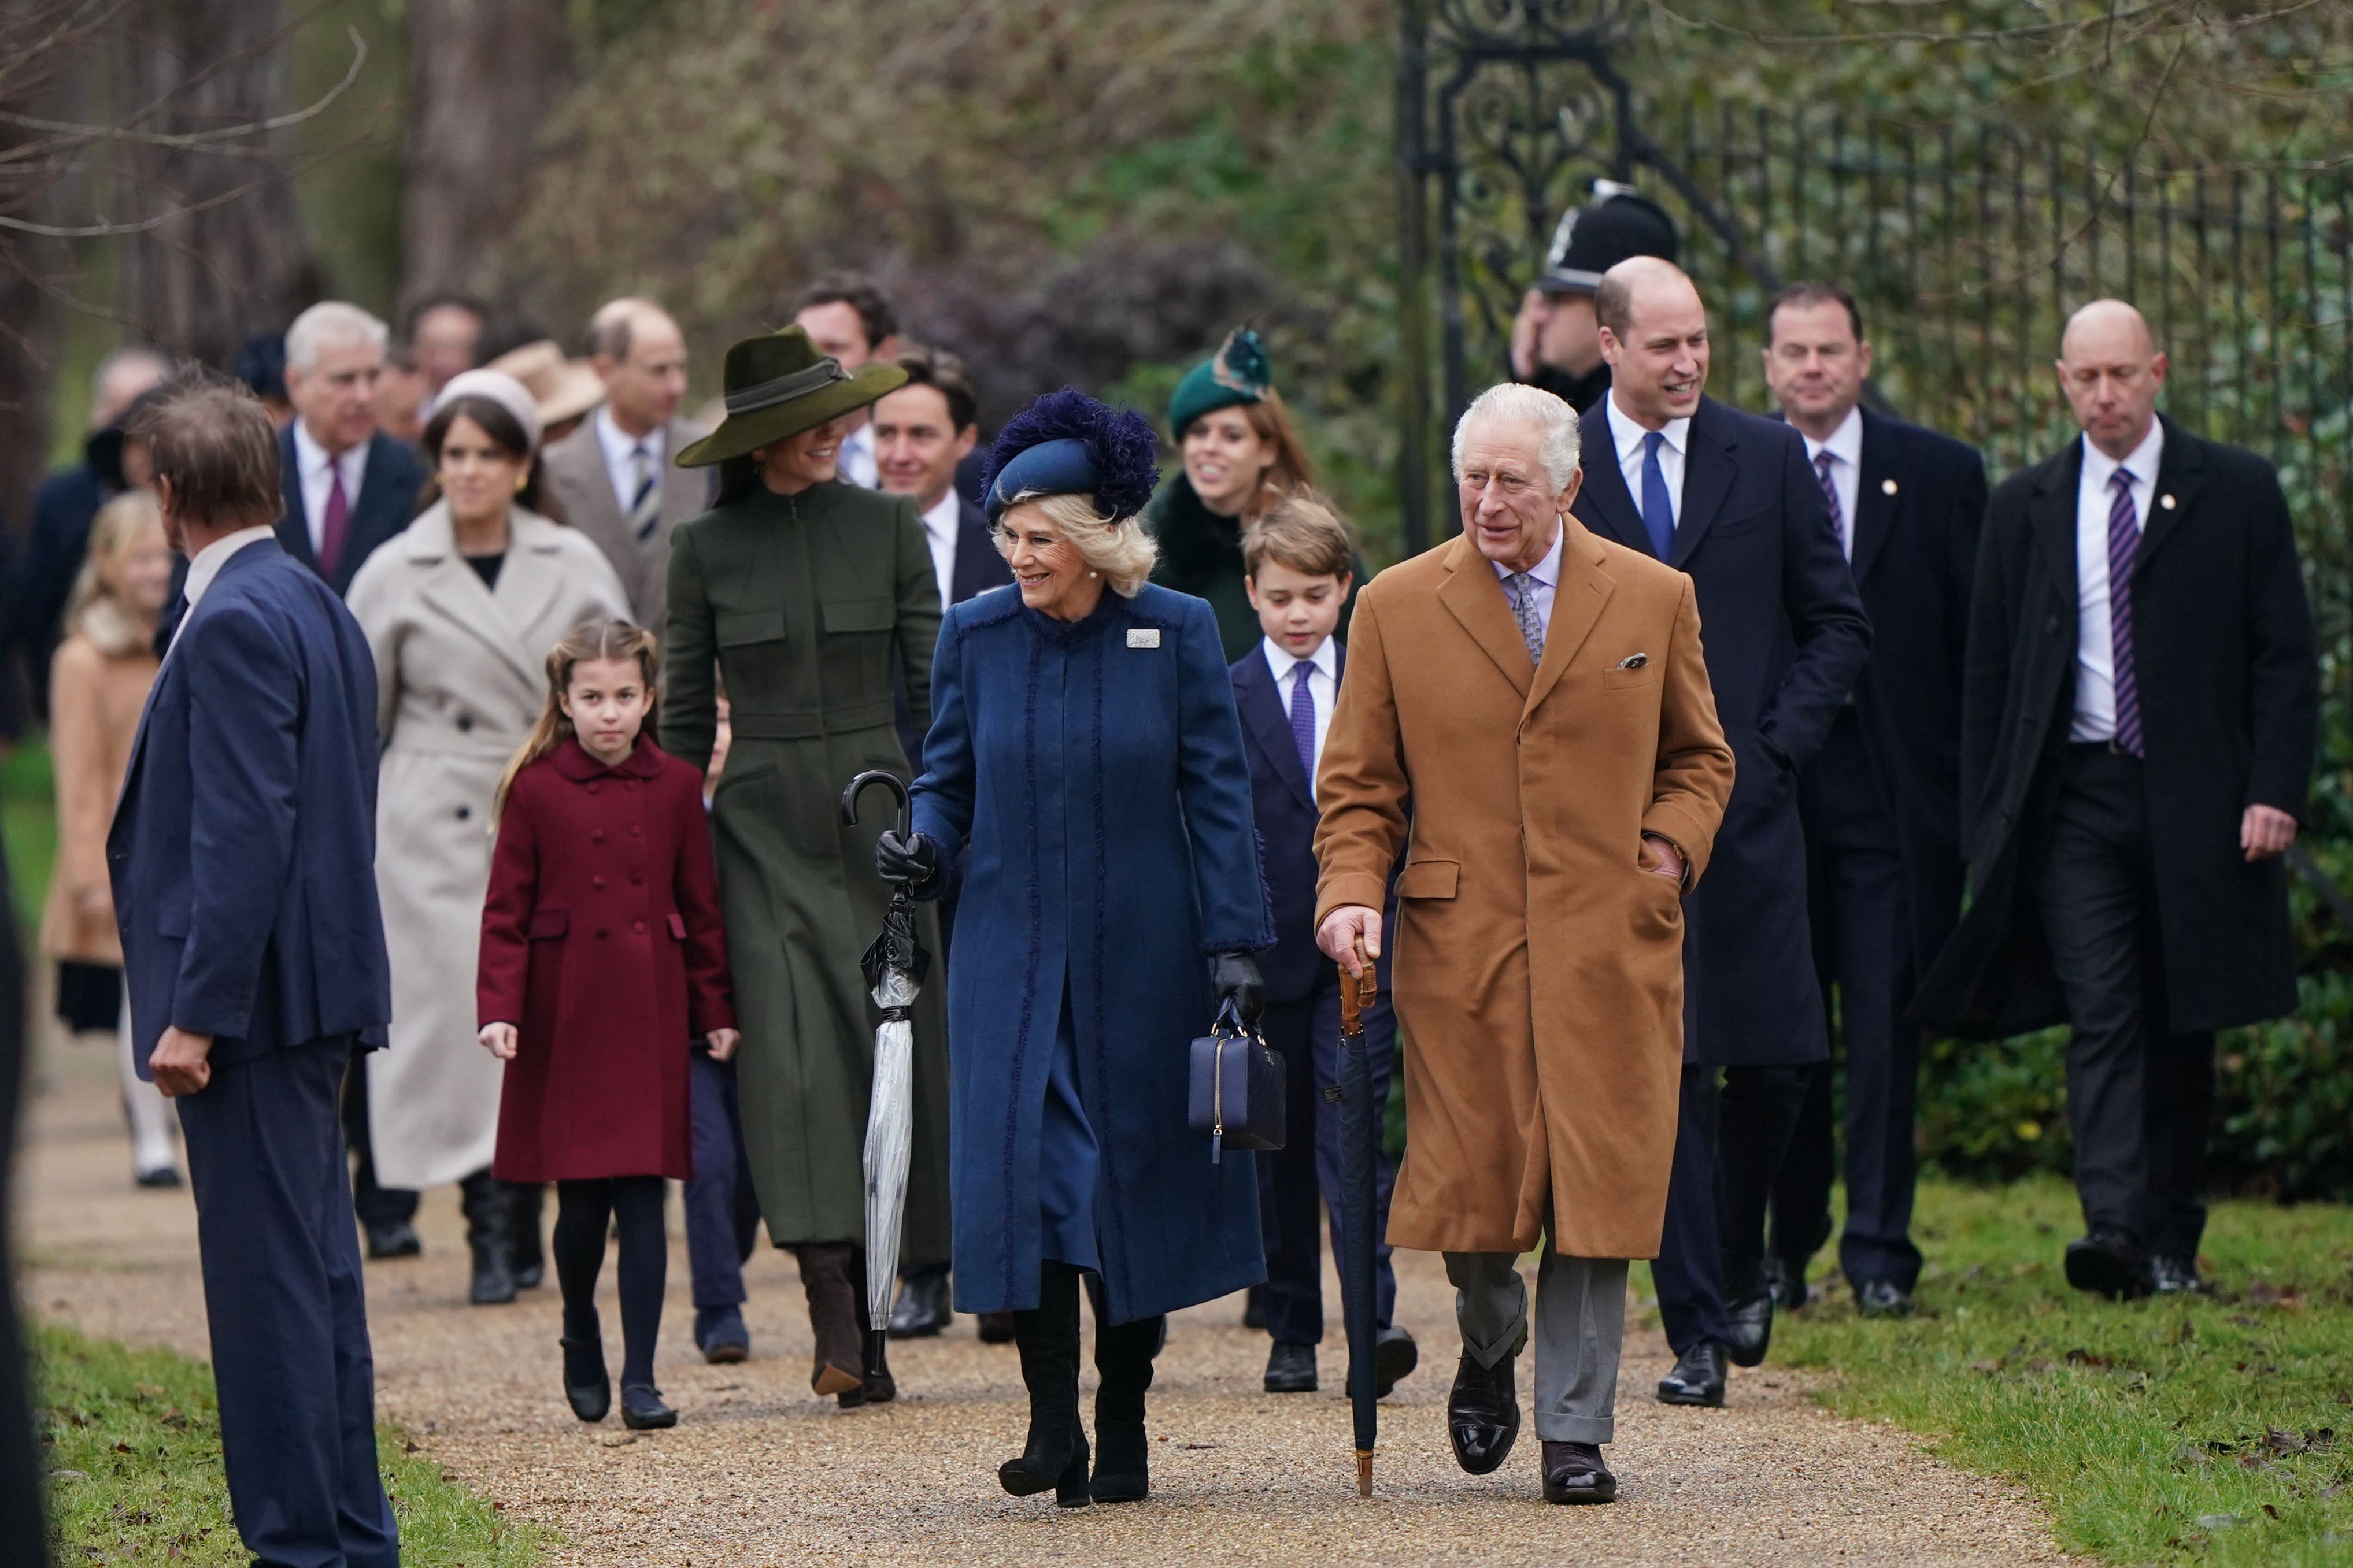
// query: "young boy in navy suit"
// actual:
[[1297, 557]]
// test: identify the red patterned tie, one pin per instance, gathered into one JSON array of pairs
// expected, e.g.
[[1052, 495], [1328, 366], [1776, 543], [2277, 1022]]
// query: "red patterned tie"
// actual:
[[336, 526]]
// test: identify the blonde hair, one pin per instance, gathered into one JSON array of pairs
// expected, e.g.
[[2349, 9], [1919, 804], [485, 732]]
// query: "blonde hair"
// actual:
[[1116, 547], [118, 524], [584, 643], [1302, 531]]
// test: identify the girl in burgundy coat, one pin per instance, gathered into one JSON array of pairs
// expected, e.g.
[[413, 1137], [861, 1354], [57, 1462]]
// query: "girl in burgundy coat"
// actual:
[[603, 958]]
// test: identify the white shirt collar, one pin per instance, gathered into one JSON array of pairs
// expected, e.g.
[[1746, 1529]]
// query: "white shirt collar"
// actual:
[[1845, 443], [1546, 571], [1629, 435], [207, 564], [621, 447], [2099, 468], [312, 461], [944, 516], [1325, 659]]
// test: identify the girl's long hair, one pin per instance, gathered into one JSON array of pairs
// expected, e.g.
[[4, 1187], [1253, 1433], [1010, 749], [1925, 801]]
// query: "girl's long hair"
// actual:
[[591, 640]]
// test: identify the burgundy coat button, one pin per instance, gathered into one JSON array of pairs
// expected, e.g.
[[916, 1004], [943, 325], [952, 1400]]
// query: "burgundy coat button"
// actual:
[[637, 877], [595, 882], [640, 928], [597, 837], [602, 933], [592, 789]]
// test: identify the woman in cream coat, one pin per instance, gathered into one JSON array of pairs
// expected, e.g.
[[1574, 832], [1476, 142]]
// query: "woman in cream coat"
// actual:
[[460, 610]]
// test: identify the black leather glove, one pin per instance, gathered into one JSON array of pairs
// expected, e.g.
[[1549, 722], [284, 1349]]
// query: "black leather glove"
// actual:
[[1237, 980], [913, 859]]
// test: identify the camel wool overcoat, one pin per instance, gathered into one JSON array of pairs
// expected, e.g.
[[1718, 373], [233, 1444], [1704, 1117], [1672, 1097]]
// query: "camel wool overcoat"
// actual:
[[1537, 959]]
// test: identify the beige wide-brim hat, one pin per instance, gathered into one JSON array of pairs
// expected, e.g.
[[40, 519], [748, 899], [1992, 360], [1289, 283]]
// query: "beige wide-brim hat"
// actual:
[[780, 386], [564, 389]]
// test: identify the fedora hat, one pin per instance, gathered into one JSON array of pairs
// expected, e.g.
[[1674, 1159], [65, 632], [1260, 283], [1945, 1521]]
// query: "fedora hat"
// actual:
[[780, 386], [562, 388]]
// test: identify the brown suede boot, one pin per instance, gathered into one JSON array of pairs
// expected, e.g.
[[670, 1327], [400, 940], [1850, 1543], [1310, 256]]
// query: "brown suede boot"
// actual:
[[827, 1278]]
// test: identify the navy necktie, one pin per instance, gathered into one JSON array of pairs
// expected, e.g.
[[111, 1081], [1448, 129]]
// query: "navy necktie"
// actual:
[[1303, 721], [1658, 506]]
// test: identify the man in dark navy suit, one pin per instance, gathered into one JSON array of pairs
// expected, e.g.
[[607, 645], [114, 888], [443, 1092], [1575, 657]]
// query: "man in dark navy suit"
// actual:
[[243, 860], [348, 487], [1728, 498], [1298, 559], [1880, 800]]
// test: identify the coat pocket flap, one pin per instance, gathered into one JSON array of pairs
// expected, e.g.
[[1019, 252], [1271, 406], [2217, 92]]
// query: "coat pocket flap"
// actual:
[[548, 923], [861, 615], [678, 925], [734, 627], [1429, 879]]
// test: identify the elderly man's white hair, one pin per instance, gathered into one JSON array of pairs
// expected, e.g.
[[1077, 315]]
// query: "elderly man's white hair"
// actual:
[[1559, 440], [328, 323]]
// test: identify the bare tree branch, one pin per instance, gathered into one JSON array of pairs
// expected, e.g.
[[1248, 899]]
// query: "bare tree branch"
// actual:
[[199, 141]]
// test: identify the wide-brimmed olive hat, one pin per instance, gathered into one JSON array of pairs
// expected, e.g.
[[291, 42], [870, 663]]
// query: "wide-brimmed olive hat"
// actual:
[[780, 386]]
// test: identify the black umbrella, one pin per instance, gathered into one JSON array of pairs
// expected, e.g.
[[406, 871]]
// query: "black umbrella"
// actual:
[[894, 970], [1360, 1153]]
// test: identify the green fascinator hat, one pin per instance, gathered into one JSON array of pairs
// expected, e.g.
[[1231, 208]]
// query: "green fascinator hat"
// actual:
[[1238, 373], [780, 386]]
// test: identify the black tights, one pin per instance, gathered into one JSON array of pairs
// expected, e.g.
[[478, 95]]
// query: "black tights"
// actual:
[[583, 1211]]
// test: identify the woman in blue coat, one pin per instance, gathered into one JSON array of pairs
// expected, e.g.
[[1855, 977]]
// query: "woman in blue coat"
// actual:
[[1084, 769]]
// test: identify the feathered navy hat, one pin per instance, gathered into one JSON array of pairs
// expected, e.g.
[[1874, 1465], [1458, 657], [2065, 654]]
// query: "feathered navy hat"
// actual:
[[1239, 371], [1066, 443]]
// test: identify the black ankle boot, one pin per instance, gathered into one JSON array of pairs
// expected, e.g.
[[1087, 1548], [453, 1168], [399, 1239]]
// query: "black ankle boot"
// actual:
[[1123, 1452], [585, 1384], [490, 1234], [1047, 1338]]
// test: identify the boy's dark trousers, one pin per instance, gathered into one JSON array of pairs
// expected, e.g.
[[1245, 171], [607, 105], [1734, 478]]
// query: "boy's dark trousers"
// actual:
[[723, 1215], [1303, 1176]]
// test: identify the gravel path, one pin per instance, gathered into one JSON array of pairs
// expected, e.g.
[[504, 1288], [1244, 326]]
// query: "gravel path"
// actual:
[[759, 1472]]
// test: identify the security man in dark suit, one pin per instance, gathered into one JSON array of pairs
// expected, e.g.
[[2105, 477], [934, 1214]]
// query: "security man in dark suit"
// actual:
[[2137, 728], [1555, 337], [243, 856], [1730, 499], [1880, 801]]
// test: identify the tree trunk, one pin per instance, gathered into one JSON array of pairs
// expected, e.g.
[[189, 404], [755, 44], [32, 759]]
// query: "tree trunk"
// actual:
[[205, 280], [482, 76]]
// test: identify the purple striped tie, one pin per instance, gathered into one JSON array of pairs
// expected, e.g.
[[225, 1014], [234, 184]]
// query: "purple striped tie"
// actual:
[[1830, 494], [2124, 548], [1303, 721]]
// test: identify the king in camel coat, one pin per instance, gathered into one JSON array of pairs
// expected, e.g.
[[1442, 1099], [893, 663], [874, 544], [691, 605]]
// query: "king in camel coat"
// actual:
[[1539, 965]]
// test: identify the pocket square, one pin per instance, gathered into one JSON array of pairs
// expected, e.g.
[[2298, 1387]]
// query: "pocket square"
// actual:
[[1633, 662]]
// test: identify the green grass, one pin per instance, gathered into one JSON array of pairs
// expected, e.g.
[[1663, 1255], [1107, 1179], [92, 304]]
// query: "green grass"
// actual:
[[2216, 1431], [133, 1442], [28, 818]]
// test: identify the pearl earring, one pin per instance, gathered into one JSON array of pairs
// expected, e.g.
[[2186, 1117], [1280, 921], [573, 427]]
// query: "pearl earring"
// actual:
[[1095, 573]]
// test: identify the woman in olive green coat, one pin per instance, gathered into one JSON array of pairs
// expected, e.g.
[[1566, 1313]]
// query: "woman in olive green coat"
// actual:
[[804, 597]]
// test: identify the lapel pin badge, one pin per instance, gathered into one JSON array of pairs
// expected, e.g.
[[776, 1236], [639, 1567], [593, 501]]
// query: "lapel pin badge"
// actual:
[[2165, 501], [1887, 486], [1144, 636]]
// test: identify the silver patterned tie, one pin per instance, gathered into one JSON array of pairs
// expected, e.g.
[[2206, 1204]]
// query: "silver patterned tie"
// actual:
[[1524, 610]]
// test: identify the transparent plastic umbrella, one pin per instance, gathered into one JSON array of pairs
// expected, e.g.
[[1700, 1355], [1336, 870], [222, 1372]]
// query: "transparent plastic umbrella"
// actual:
[[895, 967]]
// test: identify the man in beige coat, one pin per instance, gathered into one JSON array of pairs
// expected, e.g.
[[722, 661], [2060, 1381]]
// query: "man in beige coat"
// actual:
[[1527, 715]]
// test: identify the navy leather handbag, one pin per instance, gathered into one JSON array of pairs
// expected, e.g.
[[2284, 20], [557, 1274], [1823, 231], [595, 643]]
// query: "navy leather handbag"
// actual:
[[1235, 1095]]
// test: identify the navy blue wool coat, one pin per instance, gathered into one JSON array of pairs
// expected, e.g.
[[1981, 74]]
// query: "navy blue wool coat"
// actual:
[[1089, 779]]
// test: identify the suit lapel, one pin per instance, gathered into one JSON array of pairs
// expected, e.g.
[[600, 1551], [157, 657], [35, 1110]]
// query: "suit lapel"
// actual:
[[1473, 597], [456, 592], [1270, 723], [1709, 467], [1602, 501], [2180, 474], [1576, 603], [2050, 518], [1877, 493], [294, 523]]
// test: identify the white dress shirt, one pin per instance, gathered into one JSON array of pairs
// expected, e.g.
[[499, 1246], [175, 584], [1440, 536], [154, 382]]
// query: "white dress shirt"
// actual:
[[620, 449], [1323, 673], [857, 458], [317, 471], [2096, 650], [1544, 575], [940, 526], [1845, 447], [208, 566], [1629, 436]]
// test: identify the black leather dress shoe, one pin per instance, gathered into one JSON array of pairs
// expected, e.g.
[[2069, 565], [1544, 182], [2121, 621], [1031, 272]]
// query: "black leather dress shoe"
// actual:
[[1573, 1473], [1882, 1298], [2109, 1263], [1395, 1355], [924, 1308], [1483, 1413], [1786, 1278], [1290, 1369], [2176, 1276], [1254, 1307], [642, 1409], [1697, 1377], [996, 1328], [159, 1176], [1748, 1315], [393, 1238], [586, 1387]]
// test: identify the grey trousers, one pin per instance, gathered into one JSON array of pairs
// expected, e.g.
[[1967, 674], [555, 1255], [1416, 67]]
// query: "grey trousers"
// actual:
[[1579, 1328]]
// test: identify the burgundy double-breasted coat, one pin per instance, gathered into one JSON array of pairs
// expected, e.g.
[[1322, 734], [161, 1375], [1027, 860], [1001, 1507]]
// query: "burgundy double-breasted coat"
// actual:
[[602, 942]]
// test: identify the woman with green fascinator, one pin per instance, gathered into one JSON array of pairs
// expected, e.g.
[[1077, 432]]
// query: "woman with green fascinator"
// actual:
[[1241, 453], [807, 596]]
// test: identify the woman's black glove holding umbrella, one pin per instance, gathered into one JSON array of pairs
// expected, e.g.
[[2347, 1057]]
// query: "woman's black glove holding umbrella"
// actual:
[[908, 858]]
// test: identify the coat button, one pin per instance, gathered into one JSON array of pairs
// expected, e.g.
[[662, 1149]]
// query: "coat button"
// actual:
[[602, 933], [592, 789], [639, 927], [2052, 624], [636, 831], [595, 882], [465, 722], [637, 877], [597, 837], [464, 812]]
